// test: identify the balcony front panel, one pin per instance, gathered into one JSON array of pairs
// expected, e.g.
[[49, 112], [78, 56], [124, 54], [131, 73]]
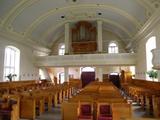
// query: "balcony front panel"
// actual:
[[87, 60]]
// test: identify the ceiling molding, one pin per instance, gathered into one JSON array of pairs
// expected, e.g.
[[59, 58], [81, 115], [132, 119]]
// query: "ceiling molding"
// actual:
[[12, 36], [39, 20], [146, 5], [14, 12], [147, 28]]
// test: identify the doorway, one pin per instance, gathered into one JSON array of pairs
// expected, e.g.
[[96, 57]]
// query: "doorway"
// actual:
[[87, 75], [115, 79]]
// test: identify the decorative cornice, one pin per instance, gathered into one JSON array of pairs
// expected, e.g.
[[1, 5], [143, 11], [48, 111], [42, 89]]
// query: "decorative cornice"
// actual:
[[147, 28], [20, 39]]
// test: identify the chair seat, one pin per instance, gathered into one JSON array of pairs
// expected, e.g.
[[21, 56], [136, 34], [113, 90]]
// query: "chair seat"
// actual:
[[105, 117], [85, 118]]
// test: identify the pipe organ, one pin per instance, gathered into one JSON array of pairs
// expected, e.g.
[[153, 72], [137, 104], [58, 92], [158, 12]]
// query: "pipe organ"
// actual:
[[84, 36]]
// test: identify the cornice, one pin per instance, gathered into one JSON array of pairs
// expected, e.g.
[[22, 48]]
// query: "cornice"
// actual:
[[20, 39], [43, 17], [147, 28]]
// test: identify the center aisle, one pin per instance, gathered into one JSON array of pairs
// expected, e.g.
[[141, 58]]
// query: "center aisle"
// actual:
[[55, 114]]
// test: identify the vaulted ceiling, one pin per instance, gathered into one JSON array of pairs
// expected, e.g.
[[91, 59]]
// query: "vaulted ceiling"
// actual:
[[41, 21]]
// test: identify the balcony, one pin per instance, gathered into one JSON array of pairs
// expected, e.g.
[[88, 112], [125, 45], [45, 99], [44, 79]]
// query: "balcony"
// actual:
[[121, 59]]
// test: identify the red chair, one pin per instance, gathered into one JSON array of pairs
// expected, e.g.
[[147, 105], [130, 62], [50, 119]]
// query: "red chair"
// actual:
[[104, 112], [85, 111]]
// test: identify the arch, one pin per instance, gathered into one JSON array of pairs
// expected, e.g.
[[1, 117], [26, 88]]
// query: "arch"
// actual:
[[11, 62], [113, 47], [150, 45]]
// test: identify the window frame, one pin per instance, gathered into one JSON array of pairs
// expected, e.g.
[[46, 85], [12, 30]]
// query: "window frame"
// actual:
[[11, 62], [61, 50], [113, 49]]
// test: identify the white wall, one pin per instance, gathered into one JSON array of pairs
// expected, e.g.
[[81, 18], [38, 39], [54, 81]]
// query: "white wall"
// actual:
[[141, 53], [75, 71], [28, 71], [107, 38]]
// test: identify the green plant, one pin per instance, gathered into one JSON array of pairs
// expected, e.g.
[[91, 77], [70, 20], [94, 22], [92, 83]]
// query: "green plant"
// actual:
[[152, 74], [10, 76]]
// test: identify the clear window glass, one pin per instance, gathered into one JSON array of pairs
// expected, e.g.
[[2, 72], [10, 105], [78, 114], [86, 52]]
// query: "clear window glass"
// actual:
[[112, 48], [11, 62], [62, 50]]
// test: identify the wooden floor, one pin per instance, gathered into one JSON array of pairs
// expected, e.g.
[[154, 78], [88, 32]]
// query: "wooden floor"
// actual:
[[138, 114]]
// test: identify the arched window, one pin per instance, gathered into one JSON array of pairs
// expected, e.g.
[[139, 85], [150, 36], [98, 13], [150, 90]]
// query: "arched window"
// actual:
[[112, 48], [150, 45], [62, 49], [11, 62]]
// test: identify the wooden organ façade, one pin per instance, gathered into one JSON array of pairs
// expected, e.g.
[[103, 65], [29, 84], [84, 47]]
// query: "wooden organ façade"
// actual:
[[84, 36]]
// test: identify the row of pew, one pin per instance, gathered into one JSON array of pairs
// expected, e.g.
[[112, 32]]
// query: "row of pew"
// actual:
[[29, 99], [146, 93], [97, 95]]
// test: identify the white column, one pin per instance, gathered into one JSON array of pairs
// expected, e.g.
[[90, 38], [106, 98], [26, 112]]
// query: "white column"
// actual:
[[158, 75], [66, 74], [99, 36], [96, 72], [99, 74], [66, 40]]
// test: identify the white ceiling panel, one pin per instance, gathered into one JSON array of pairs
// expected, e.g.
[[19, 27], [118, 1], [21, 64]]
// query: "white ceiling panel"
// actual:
[[6, 5]]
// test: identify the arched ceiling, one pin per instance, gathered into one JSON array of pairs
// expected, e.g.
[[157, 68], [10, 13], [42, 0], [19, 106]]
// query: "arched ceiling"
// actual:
[[41, 22]]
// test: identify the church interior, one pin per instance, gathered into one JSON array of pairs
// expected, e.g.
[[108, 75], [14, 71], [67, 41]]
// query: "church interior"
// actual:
[[79, 60]]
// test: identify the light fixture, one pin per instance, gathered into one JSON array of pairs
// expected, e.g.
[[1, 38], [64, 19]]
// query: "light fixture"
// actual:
[[99, 13], [62, 16]]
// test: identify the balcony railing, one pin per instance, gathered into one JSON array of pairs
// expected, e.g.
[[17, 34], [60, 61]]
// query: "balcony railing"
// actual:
[[87, 60]]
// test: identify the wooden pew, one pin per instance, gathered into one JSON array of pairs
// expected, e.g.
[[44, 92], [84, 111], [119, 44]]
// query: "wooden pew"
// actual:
[[34, 95], [28, 108], [96, 93], [69, 110], [145, 92], [9, 108], [121, 111]]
